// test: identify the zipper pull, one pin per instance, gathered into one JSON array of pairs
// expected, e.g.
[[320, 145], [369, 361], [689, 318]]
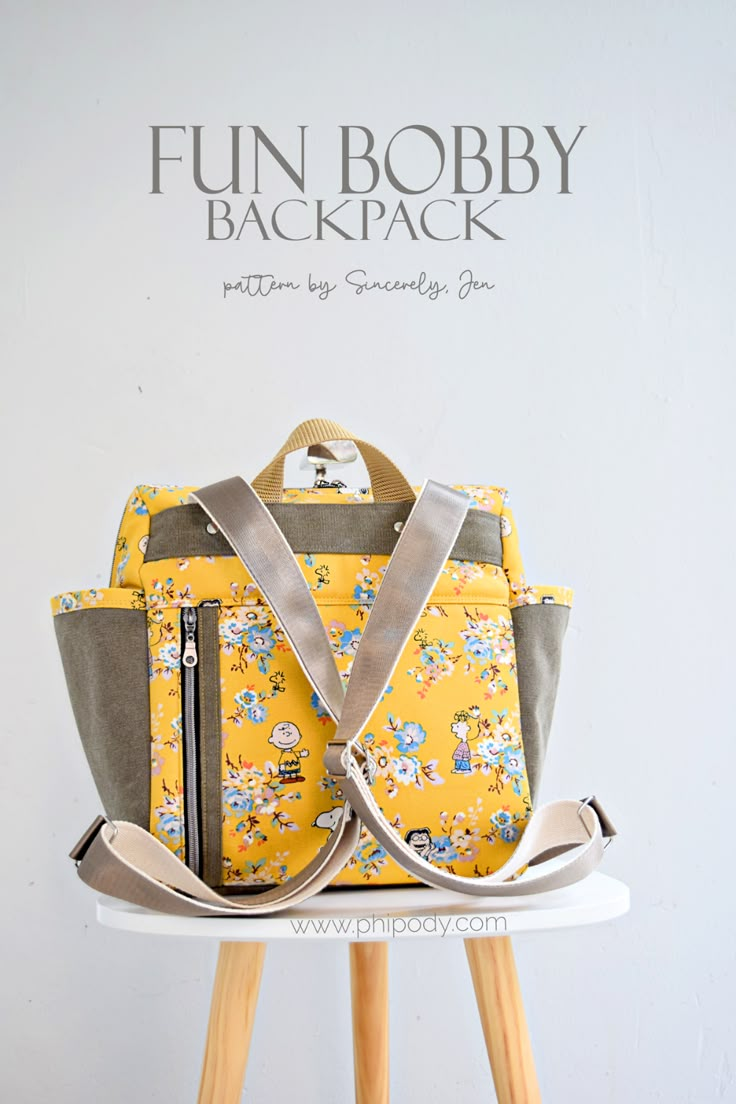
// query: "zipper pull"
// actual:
[[189, 655]]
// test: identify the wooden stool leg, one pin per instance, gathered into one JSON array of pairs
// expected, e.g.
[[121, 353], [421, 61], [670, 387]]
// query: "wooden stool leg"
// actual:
[[232, 1011], [369, 988], [502, 1015]]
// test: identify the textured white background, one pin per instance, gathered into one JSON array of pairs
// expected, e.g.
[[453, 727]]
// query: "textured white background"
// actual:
[[595, 381]]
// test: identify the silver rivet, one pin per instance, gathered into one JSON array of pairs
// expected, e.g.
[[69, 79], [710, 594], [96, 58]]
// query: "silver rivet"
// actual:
[[398, 526], [211, 529]]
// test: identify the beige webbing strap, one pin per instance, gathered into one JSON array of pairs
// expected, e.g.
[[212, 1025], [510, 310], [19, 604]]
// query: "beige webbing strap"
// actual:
[[249, 528], [387, 482], [418, 558], [124, 861]]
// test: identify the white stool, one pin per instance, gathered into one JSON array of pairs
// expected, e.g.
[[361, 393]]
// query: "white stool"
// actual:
[[368, 920]]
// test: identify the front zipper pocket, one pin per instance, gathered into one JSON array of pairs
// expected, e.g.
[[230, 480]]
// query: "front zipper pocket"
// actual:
[[190, 739], [201, 740], [184, 671]]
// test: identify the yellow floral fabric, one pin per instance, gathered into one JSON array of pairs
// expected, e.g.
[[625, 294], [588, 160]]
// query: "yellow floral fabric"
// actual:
[[105, 598], [446, 736]]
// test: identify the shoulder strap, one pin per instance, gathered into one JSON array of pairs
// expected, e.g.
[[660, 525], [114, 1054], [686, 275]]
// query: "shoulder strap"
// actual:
[[420, 553], [124, 861], [256, 539]]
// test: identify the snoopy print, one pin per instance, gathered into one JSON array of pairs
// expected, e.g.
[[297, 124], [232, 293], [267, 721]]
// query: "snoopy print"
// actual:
[[329, 819], [285, 736]]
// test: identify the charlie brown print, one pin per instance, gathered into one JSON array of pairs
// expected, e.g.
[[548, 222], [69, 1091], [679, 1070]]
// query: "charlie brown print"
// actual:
[[461, 731], [285, 736]]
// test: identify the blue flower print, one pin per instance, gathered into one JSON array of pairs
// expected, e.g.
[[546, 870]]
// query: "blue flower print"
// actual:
[[168, 656], [231, 632], [407, 769], [444, 850], [501, 818], [436, 652], [244, 699], [255, 711], [513, 762], [349, 641], [170, 826], [479, 650], [240, 801], [260, 640], [370, 857], [323, 714], [410, 736]]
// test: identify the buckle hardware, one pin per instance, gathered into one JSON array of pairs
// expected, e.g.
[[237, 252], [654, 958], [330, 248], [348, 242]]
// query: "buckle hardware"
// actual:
[[339, 762], [83, 844], [594, 806], [334, 759]]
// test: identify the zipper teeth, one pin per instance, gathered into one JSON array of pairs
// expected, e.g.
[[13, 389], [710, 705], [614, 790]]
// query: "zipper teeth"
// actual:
[[191, 773]]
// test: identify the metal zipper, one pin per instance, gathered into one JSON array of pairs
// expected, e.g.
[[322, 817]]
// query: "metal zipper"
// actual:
[[189, 660]]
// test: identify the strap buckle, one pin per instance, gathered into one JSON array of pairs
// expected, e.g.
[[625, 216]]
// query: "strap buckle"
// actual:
[[83, 844], [607, 827], [338, 760], [336, 763]]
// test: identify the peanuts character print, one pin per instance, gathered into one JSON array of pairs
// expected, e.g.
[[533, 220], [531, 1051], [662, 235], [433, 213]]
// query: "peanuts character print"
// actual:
[[285, 736], [461, 756]]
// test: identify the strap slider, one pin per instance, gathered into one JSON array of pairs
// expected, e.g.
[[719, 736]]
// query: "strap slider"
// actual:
[[340, 759], [83, 844], [337, 759]]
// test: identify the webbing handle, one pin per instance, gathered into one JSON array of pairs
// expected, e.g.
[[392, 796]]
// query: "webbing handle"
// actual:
[[387, 482]]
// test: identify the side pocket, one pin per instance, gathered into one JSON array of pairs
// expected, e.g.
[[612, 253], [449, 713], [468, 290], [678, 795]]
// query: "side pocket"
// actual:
[[539, 629], [104, 651]]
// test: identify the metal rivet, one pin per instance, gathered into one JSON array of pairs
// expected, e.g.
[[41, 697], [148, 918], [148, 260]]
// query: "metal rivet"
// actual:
[[211, 529], [398, 526]]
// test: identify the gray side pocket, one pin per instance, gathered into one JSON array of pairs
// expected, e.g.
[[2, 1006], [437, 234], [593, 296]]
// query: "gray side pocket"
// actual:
[[538, 634], [105, 657]]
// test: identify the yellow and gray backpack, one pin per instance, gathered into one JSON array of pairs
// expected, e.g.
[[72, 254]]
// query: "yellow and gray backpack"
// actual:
[[286, 689]]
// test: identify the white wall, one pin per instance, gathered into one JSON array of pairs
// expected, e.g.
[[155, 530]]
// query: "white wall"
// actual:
[[596, 381]]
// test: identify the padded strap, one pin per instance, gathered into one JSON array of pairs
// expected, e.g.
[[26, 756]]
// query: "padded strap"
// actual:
[[410, 578]]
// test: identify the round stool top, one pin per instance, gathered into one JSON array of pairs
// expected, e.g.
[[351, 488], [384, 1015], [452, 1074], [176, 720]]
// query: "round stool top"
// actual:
[[374, 915]]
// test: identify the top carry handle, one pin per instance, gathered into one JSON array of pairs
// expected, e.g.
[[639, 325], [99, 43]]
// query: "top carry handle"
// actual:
[[388, 484], [125, 861]]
